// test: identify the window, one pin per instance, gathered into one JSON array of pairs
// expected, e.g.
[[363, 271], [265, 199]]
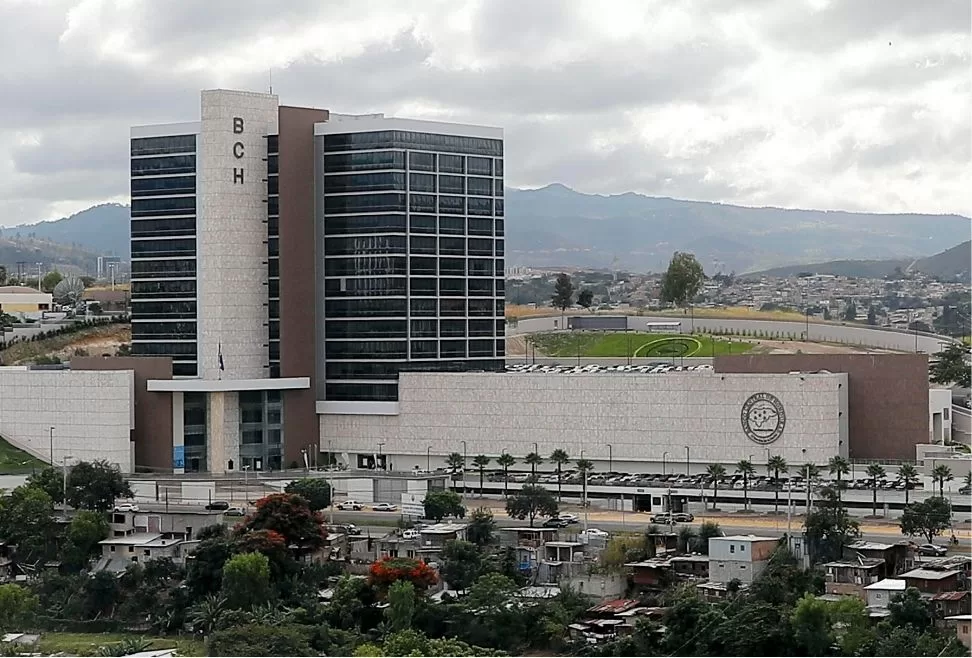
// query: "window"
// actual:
[[361, 391], [359, 308], [422, 328], [365, 328], [452, 225], [421, 203], [498, 167], [421, 223], [163, 248], [365, 224], [365, 161], [163, 186], [452, 328], [365, 244], [421, 161], [452, 349], [482, 166], [421, 183], [480, 267], [452, 307], [480, 186], [480, 247], [498, 187], [171, 164], [364, 182], [149, 228], [480, 226], [452, 205], [480, 307], [452, 164], [481, 348], [423, 287], [452, 287], [452, 246], [423, 307], [425, 349], [452, 184], [452, 266], [177, 205], [339, 370], [422, 245], [499, 207], [364, 203], [732, 548], [421, 265], [479, 206], [162, 289], [382, 139], [365, 349], [480, 287], [159, 145], [365, 287]]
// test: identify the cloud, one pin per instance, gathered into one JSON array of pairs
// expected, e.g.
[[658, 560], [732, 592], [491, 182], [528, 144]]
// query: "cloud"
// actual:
[[755, 102]]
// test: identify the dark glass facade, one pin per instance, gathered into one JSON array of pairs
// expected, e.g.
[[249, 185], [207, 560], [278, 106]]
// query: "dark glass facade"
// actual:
[[412, 258], [163, 189]]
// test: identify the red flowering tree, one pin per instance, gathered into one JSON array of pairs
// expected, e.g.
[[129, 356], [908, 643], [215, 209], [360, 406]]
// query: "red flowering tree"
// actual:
[[288, 516], [387, 570]]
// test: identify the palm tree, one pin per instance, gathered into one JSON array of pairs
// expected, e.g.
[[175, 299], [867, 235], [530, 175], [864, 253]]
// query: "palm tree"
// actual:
[[534, 460], [481, 462], [208, 613], [778, 465], [810, 471], [585, 466], [875, 472], [715, 472], [942, 473], [457, 464], [746, 468], [838, 466], [559, 457], [908, 474], [506, 460]]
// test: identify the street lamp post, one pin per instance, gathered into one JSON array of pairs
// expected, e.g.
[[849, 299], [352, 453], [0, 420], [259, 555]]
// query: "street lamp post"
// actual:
[[687, 468], [64, 485], [464, 468], [610, 458], [428, 459], [246, 482], [664, 463], [767, 461], [585, 475], [52, 446]]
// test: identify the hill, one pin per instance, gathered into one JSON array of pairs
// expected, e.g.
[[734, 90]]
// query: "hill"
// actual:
[[951, 264], [557, 226], [65, 257]]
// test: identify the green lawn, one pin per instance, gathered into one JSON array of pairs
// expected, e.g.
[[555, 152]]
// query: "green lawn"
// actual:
[[14, 461], [636, 344], [87, 644]]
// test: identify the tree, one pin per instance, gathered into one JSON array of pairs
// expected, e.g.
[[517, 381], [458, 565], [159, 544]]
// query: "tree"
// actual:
[[838, 466], [829, 527], [778, 465], [941, 473], [81, 539], [18, 607], [50, 281], [491, 590], [811, 626], [51, 481], [534, 460], [481, 462], [27, 522], [746, 469], [481, 526], [683, 279], [291, 517], [531, 501], [850, 312], [461, 563], [442, 503], [584, 467], [707, 531], [387, 570], [909, 609], [686, 538], [563, 295], [457, 465], [908, 474], [559, 458], [316, 491], [246, 580], [876, 472], [715, 472], [259, 640], [871, 316], [585, 299], [952, 366], [505, 461], [929, 518], [401, 605], [96, 486]]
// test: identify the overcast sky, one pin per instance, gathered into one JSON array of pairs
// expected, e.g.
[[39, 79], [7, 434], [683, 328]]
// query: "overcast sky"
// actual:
[[844, 104]]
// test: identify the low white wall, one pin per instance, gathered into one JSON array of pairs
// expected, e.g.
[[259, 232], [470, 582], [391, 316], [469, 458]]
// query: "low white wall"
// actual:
[[91, 412]]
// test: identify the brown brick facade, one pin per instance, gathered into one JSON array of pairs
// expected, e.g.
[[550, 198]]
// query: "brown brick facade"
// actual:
[[887, 398]]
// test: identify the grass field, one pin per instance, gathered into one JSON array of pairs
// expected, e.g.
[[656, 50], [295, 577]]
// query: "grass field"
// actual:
[[87, 644], [635, 344], [14, 461]]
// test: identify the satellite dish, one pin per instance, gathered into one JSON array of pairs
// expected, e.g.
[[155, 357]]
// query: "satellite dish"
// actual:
[[69, 291]]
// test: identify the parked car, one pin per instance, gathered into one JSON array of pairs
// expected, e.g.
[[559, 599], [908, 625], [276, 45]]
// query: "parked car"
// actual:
[[663, 517], [235, 511], [410, 534], [384, 507], [684, 517], [350, 506], [569, 518], [218, 506], [556, 522], [594, 532], [931, 550], [126, 507]]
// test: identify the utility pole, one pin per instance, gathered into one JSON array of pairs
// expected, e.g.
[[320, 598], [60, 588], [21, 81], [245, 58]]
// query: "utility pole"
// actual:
[[64, 485]]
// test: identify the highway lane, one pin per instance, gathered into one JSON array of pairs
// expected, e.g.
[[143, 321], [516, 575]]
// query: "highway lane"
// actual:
[[819, 332]]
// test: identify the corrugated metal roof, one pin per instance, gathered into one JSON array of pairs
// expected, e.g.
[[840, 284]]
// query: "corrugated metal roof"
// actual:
[[949, 596], [614, 607]]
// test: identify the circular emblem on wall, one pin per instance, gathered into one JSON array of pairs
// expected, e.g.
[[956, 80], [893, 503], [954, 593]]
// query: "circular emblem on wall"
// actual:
[[763, 418]]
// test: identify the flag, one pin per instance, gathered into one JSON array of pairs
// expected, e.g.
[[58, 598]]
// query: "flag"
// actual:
[[220, 356]]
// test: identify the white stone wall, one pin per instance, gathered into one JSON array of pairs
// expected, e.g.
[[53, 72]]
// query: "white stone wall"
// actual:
[[231, 233], [90, 411], [641, 416]]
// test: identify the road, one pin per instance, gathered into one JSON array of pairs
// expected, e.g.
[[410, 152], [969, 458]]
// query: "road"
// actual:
[[831, 333]]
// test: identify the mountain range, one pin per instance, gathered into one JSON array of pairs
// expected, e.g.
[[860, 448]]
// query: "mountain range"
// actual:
[[555, 226]]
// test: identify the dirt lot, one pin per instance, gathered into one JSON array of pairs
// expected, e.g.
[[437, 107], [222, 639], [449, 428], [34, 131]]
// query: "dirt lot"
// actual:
[[793, 347], [93, 341]]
